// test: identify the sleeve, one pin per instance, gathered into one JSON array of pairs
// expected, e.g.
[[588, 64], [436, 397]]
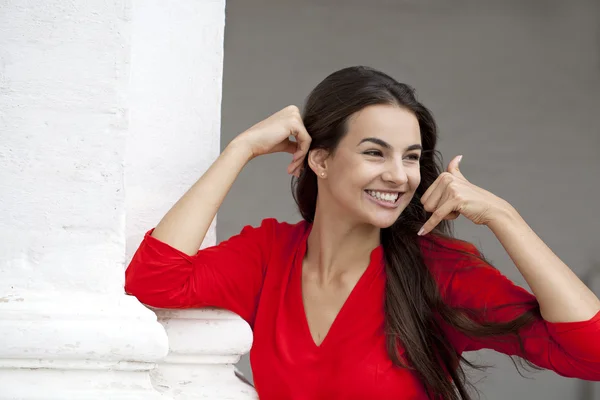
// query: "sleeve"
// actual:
[[228, 275], [571, 349]]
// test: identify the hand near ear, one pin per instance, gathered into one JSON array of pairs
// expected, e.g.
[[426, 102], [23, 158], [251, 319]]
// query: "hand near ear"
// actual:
[[272, 135], [451, 195]]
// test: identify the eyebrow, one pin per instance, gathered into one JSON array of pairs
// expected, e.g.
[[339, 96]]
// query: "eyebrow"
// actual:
[[386, 145]]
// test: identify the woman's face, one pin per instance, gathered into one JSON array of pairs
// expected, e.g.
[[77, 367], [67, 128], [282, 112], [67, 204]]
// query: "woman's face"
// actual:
[[374, 172]]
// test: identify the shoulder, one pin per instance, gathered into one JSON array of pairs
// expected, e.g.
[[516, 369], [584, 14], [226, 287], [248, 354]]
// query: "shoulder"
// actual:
[[276, 232], [467, 280], [287, 228], [451, 260], [447, 253]]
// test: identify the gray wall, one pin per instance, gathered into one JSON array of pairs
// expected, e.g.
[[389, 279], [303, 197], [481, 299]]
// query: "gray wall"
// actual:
[[514, 85]]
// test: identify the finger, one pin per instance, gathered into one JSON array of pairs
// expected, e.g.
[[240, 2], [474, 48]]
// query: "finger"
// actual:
[[429, 190], [452, 215], [437, 196], [286, 146], [290, 147], [303, 140], [296, 170], [433, 187], [296, 164], [453, 167], [302, 137], [293, 167], [438, 215]]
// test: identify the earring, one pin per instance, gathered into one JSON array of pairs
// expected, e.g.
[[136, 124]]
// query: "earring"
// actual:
[[322, 174]]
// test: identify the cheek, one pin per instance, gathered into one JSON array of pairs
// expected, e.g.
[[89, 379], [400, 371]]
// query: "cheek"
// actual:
[[347, 191], [414, 179]]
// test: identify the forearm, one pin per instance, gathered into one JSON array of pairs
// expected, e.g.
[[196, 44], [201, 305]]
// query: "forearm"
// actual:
[[562, 296], [185, 225]]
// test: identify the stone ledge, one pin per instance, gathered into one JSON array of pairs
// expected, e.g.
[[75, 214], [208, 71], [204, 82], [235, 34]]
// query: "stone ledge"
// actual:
[[78, 346]]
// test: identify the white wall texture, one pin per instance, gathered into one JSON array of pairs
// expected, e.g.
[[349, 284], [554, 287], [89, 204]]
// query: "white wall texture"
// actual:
[[175, 113], [108, 111], [62, 95]]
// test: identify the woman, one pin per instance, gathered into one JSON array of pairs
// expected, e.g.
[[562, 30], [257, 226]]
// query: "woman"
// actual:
[[369, 297]]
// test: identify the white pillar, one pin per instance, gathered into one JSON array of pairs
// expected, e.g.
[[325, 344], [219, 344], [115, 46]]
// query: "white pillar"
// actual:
[[174, 136], [67, 331], [203, 347]]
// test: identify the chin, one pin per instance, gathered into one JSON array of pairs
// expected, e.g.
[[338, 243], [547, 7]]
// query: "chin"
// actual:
[[383, 219], [383, 223], [386, 218], [379, 217]]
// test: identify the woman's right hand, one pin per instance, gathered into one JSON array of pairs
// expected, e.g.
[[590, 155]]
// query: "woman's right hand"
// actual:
[[272, 135]]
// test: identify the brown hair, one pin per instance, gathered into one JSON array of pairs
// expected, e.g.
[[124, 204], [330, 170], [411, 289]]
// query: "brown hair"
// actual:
[[413, 302]]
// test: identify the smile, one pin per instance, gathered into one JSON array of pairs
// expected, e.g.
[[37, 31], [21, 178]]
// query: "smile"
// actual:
[[386, 199]]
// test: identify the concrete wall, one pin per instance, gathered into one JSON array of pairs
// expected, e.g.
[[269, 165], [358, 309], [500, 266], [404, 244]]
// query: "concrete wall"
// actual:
[[514, 86], [64, 73], [109, 111], [63, 78], [175, 96]]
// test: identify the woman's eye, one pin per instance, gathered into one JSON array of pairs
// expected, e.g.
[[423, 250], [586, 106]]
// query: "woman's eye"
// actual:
[[375, 153], [414, 157]]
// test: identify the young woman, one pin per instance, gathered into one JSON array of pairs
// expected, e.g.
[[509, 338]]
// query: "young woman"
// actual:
[[369, 296]]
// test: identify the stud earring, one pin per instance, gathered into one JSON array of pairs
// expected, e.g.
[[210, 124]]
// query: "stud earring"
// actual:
[[322, 174]]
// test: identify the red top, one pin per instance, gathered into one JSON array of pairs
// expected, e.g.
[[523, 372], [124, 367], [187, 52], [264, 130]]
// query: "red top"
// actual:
[[257, 275]]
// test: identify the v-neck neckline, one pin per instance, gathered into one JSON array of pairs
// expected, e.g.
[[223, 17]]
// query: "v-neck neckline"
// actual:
[[375, 263]]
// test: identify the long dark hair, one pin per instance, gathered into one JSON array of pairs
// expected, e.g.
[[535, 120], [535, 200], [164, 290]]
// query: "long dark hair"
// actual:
[[415, 310]]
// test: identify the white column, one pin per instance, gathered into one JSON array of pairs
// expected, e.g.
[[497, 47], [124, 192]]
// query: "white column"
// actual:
[[203, 347], [67, 331], [174, 136]]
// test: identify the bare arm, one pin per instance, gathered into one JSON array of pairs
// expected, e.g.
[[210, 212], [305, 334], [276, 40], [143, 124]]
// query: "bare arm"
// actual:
[[185, 225], [562, 296]]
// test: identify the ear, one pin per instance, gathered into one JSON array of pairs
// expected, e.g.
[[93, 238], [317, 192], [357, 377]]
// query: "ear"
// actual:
[[317, 160]]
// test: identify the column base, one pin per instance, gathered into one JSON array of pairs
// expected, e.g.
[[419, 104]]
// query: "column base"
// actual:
[[78, 346], [204, 346]]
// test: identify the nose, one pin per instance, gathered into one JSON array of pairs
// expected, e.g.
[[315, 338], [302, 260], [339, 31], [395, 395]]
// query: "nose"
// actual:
[[395, 173]]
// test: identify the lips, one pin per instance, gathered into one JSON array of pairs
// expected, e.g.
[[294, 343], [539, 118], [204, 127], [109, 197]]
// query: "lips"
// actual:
[[382, 202], [390, 196]]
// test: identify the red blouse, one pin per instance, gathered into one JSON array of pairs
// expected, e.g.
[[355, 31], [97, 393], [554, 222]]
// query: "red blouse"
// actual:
[[257, 275]]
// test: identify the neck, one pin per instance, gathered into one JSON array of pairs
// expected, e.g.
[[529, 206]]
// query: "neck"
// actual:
[[336, 246]]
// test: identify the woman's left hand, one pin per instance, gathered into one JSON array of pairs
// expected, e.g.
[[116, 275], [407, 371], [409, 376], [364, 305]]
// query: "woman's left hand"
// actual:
[[451, 195]]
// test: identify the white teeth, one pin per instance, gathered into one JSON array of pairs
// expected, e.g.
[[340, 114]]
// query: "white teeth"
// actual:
[[384, 196]]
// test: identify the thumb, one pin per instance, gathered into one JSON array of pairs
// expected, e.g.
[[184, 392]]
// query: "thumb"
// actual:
[[286, 146], [453, 167]]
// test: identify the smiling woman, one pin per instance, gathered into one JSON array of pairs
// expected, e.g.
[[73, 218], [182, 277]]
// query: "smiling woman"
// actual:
[[365, 174], [374, 242]]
